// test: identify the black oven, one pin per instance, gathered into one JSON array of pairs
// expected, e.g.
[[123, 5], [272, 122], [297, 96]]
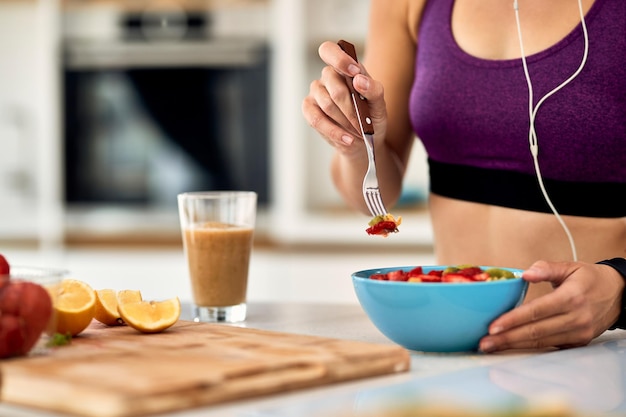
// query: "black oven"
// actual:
[[164, 108]]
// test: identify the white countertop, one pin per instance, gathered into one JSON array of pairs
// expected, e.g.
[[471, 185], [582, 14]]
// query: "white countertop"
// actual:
[[590, 380]]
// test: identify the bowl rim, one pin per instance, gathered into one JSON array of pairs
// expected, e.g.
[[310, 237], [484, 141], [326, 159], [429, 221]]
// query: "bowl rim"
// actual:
[[26, 272], [360, 276]]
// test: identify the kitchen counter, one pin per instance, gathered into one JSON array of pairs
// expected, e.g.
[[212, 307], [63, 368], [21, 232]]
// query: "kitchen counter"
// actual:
[[590, 379]]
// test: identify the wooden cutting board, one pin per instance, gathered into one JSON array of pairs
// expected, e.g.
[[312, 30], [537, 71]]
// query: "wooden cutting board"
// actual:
[[119, 372]]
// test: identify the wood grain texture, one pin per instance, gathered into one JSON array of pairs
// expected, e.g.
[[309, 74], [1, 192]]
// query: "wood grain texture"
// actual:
[[118, 372]]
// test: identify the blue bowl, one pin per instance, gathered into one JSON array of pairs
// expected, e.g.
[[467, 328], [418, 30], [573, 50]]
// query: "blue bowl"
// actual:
[[436, 317]]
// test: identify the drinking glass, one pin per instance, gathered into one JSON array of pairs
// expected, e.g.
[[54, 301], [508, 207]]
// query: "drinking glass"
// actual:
[[217, 230]]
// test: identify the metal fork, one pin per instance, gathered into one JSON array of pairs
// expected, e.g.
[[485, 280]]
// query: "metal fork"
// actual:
[[371, 191]]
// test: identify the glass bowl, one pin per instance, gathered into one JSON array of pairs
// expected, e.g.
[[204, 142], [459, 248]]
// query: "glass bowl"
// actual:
[[50, 279]]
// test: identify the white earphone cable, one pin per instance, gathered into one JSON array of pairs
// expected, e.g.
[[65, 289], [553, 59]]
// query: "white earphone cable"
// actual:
[[532, 111]]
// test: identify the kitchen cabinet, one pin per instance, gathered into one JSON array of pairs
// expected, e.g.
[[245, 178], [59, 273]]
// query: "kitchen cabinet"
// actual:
[[306, 208], [29, 148]]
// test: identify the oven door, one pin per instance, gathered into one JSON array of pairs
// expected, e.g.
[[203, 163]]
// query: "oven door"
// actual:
[[144, 121]]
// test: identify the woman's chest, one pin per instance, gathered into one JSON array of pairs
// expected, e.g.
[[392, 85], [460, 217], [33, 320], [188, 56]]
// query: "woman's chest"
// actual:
[[488, 28], [474, 111]]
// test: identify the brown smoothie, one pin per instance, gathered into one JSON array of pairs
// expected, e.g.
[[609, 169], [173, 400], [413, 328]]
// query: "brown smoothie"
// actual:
[[219, 256]]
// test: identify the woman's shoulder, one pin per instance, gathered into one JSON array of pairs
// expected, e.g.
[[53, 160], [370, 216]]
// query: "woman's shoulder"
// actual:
[[415, 10], [406, 12]]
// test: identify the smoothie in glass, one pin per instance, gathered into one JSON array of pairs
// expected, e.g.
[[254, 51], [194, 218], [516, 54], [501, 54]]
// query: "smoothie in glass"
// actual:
[[217, 231], [218, 256]]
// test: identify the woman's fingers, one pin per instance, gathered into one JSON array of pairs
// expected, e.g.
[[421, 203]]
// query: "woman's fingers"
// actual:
[[329, 106], [335, 134], [325, 111], [565, 317], [538, 335], [336, 58], [540, 326], [332, 95]]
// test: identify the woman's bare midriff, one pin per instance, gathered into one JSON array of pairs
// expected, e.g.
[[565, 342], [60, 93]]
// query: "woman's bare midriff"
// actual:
[[476, 233]]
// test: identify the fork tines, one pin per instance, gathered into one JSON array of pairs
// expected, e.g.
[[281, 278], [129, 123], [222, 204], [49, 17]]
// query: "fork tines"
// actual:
[[374, 202]]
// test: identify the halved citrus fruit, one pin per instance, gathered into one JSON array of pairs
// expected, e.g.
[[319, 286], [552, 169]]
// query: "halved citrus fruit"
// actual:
[[74, 306], [149, 316], [106, 308]]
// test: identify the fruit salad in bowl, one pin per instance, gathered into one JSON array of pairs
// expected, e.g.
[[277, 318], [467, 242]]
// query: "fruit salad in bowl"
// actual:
[[440, 308]]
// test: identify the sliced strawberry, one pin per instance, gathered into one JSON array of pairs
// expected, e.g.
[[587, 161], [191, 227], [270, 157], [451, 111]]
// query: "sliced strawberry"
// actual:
[[431, 278], [436, 272], [398, 275], [380, 277], [425, 278], [483, 276], [454, 277], [382, 228], [415, 272], [469, 271]]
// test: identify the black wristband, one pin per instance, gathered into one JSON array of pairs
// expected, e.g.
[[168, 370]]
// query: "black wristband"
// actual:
[[619, 264]]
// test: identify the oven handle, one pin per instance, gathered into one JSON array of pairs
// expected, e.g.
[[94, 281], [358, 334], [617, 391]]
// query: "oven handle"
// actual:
[[128, 55]]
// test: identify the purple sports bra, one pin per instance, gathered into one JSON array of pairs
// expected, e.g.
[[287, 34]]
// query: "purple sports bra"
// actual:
[[472, 116]]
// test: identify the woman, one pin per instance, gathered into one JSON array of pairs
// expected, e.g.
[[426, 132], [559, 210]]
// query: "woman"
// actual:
[[452, 73]]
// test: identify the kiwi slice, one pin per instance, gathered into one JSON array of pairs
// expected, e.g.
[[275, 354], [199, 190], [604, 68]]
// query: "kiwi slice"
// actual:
[[499, 273]]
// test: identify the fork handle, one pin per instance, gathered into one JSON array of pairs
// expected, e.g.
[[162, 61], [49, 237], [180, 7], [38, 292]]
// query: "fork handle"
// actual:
[[360, 102]]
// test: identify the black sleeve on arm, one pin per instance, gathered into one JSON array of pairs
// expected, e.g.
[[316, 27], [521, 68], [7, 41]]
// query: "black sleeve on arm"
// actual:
[[619, 264]]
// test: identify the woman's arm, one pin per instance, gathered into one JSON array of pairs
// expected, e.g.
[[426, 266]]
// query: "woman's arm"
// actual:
[[390, 60], [385, 79]]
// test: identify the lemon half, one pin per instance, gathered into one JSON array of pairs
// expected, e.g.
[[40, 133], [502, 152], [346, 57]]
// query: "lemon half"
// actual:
[[106, 308], [149, 316], [74, 306]]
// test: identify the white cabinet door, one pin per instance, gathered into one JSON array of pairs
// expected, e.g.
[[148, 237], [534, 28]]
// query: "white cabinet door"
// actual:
[[28, 139]]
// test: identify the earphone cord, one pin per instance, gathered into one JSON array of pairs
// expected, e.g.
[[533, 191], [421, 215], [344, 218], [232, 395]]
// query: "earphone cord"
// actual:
[[532, 134]]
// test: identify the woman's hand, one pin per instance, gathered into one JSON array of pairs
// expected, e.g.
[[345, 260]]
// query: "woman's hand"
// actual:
[[585, 302], [328, 107]]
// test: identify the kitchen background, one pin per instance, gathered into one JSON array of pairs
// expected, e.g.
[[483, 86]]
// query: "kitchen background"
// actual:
[[109, 108]]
